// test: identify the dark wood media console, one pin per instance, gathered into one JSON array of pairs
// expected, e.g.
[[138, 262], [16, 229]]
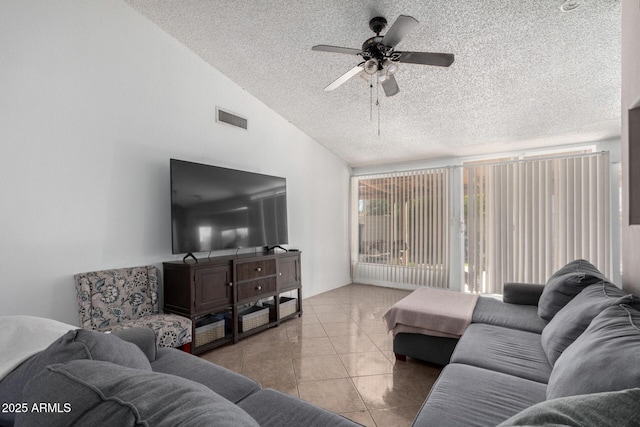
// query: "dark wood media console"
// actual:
[[231, 297]]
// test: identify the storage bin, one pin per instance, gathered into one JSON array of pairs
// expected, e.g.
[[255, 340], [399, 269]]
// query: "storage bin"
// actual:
[[209, 329], [253, 317], [287, 306]]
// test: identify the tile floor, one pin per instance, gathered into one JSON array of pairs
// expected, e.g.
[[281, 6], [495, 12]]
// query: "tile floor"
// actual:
[[339, 356]]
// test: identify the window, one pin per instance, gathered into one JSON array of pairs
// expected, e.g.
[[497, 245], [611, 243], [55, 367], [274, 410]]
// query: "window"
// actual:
[[402, 231], [525, 219]]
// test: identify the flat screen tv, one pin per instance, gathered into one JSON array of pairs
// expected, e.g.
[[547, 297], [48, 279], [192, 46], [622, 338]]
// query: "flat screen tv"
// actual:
[[215, 208]]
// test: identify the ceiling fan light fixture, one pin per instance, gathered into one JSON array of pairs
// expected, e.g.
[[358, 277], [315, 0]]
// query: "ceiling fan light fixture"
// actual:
[[382, 76], [371, 66], [391, 68], [569, 5]]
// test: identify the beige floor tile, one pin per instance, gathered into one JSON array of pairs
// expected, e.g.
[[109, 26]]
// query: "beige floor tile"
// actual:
[[269, 370], [369, 363], [342, 329], [322, 299], [373, 326], [331, 308], [390, 391], [306, 307], [301, 358], [333, 317], [389, 355], [383, 341], [309, 368], [276, 376], [361, 417], [306, 319], [259, 347], [230, 364], [368, 313], [417, 370], [338, 395], [395, 417], [270, 335], [312, 347], [353, 344], [302, 331]]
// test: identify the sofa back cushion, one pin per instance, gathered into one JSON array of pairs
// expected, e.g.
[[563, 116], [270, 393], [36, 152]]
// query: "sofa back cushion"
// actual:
[[603, 358], [613, 408], [565, 284], [76, 344], [89, 392], [575, 317]]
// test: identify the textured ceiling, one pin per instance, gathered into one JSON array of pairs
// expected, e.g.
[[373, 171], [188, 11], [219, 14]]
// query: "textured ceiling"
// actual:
[[526, 74]]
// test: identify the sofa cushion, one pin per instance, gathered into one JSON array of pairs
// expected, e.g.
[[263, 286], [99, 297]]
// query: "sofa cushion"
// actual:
[[505, 350], [273, 408], [144, 338], [495, 312], [565, 284], [573, 318], [614, 408], [467, 396], [228, 384], [76, 344], [603, 358], [88, 392]]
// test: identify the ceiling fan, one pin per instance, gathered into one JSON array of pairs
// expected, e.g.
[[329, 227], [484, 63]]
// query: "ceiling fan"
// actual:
[[380, 56]]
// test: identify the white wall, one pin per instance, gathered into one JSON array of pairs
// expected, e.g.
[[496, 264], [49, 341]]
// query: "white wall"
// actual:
[[630, 94], [95, 99]]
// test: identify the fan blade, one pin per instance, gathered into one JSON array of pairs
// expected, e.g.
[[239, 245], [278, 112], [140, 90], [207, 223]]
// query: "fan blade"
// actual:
[[400, 28], [336, 49], [390, 86], [426, 58], [343, 78]]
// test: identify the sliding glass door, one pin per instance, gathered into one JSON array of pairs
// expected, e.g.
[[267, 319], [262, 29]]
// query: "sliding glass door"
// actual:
[[525, 219], [402, 228]]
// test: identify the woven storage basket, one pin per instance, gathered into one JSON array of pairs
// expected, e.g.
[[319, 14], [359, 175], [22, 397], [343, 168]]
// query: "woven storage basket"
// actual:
[[253, 317], [287, 306], [210, 332]]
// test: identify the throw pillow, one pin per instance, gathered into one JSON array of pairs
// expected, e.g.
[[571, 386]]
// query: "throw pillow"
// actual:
[[565, 284], [617, 408], [76, 344], [573, 319], [603, 358], [89, 392]]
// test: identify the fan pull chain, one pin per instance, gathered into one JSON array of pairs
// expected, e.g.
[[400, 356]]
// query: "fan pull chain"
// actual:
[[378, 101], [378, 104], [371, 98]]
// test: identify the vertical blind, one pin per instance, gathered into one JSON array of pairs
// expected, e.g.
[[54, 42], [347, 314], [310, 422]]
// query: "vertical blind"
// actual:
[[402, 233], [526, 219]]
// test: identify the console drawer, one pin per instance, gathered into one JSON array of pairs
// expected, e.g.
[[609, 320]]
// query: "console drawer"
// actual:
[[255, 269], [256, 288]]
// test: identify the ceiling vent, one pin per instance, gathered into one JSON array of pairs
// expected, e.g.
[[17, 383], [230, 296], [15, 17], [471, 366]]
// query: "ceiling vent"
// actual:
[[223, 116]]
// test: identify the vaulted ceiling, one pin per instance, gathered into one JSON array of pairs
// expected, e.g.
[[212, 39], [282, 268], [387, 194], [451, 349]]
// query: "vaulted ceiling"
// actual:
[[526, 74]]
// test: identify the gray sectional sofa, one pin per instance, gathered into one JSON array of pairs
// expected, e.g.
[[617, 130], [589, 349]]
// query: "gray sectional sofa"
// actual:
[[567, 353], [88, 378]]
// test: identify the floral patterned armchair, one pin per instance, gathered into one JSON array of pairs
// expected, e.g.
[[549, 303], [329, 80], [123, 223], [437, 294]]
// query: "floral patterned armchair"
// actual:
[[111, 300]]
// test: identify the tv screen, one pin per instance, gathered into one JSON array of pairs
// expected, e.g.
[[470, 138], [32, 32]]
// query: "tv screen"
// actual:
[[215, 208]]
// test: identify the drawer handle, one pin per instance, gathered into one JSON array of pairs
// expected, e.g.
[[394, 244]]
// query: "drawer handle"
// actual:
[[230, 284], [258, 269], [258, 288]]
